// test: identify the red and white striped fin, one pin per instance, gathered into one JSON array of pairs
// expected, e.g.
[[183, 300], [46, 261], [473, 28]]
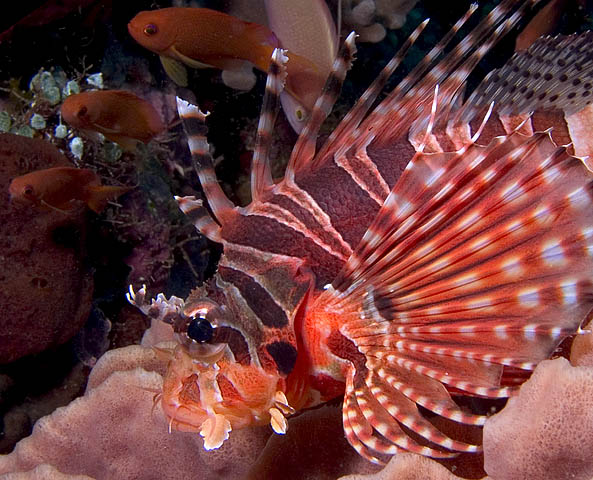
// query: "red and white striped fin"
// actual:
[[402, 106], [392, 118], [194, 124], [478, 259], [352, 120], [261, 174], [304, 150], [200, 217]]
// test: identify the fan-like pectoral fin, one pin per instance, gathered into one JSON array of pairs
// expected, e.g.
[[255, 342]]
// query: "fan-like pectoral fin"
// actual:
[[479, 260]]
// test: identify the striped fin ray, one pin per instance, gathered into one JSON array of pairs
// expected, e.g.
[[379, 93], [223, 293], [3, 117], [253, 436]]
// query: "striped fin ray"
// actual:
[[355, 116], [391, 119], [200, 217], [304, 150], [194, 124], [261, 175], [478, 260]]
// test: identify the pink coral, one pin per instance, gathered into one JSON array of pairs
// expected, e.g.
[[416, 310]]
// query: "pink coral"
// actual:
[[547, 430], [408, 466], [113, 432]]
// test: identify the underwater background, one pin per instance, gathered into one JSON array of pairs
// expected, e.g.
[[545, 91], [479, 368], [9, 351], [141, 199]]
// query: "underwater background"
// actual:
[[63, 277]]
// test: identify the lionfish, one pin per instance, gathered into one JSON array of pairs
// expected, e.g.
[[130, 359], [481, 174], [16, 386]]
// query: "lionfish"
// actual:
[[431, 247]]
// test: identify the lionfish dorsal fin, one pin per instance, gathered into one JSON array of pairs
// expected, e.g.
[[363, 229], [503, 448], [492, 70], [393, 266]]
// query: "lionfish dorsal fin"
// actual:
[[194, 124], [261, 172], [409, 101], [304, 150], [553, 74]]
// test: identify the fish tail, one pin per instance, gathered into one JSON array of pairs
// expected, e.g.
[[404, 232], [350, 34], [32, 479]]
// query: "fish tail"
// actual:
[[97, 197]]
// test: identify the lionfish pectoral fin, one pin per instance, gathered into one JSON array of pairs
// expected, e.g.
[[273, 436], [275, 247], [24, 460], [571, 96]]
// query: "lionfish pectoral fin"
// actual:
[[215, 430], [478, 259], [376, 418]]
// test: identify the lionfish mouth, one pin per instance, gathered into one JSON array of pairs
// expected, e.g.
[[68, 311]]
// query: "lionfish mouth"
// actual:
[[213, 395]]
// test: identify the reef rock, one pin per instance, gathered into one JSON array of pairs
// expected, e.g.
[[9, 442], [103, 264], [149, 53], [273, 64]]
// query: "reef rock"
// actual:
[[546, 431], [45, 288]]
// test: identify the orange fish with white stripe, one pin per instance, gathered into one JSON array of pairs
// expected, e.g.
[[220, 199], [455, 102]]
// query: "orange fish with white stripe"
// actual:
[[431, 248]]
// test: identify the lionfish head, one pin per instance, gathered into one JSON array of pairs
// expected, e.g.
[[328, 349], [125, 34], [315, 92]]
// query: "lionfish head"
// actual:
[[215, 381]]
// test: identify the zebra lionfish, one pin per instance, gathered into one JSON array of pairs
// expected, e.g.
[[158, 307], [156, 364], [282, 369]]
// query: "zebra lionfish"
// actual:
[[432, 246]]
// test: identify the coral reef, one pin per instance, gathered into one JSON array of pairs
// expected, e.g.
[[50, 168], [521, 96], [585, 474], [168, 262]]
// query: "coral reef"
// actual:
[[45, 286], [547, 430]]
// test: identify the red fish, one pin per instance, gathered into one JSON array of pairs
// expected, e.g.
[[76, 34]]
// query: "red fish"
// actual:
[[431, 247], [200, 37], [59, 188], [120, 116]]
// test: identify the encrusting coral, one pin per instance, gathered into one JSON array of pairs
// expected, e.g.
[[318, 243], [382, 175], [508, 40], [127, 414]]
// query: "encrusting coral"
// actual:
[[546, 431], [45, 285]]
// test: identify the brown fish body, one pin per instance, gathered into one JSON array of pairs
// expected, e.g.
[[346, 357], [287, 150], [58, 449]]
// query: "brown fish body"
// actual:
[[120, 116], [59, 187]]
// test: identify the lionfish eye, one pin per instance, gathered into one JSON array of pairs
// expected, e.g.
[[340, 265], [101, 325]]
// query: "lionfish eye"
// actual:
[[28, 190], [150, 29], [200, 330]]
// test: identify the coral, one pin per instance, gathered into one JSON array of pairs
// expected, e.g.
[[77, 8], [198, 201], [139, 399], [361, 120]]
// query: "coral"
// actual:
[[114, 432], [408, 466], [45, 286], [43, 472], [546, 431], [370, 18]]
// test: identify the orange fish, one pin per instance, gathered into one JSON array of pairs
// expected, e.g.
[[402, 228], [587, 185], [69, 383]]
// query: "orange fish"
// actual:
[[120, 116], [544, 23], [57, 188], [203, 38]]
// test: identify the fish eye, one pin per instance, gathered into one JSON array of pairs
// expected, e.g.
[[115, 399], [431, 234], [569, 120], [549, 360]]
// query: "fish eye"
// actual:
[[196, 329], [82, 111], [150, 29], [300, 114], [28, 190], [200, 330]]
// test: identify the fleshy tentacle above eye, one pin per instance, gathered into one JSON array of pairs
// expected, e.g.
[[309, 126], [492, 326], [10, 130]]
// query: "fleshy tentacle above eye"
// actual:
[[159, 308]]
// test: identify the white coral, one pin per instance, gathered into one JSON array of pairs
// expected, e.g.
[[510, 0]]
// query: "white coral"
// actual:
[[371, 18]]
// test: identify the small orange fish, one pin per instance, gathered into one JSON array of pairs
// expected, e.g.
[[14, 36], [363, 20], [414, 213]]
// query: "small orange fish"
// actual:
[[120, 116], [203, 38], [57, 188]]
